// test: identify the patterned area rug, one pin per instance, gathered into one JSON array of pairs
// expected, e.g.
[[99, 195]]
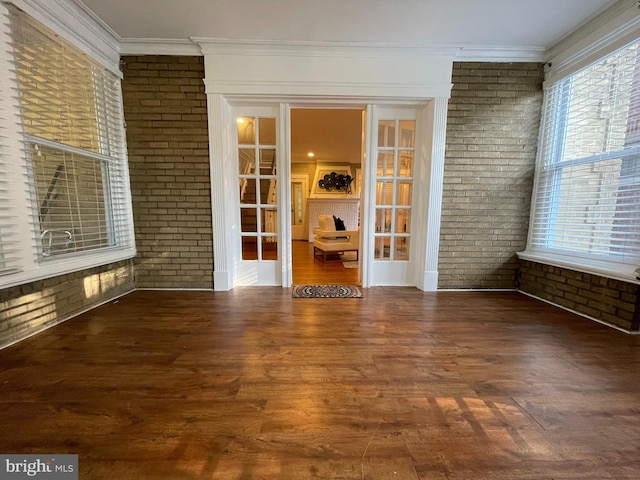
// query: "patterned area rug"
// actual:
[[326, 291]]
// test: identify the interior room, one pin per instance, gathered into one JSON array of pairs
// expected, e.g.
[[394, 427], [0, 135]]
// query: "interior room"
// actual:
[[305, 239], [324, 141]]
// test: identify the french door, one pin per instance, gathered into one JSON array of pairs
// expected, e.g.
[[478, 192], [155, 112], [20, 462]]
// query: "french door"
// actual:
[[251, 186], [257, 149], [392, 174]]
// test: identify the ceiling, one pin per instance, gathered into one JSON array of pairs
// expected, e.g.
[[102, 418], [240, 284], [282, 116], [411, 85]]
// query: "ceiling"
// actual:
[[534, 25], [528, 28], [332, 135]]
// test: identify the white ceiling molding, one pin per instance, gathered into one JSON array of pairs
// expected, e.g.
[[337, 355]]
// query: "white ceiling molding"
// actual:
[[250, 67], [77, 24], [500, 53], [607, 32], [159, 46], [467, 53], [321, 49]]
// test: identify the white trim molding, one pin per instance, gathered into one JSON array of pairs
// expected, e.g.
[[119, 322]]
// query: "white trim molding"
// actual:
[[220, 152], [614, 271], [75, 22], [610, 30], [159, 46], [243, 67], [500, 53], [431, 176], [460, 52]]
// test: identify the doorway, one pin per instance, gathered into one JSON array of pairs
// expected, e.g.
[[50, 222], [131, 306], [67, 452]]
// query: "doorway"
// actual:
[[324, 140]]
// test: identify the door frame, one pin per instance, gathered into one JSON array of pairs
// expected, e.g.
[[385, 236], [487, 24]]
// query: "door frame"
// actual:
[[325, 74], [427, 195]]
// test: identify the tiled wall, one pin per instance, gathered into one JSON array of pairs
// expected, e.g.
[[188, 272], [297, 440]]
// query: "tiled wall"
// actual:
[[344, 208], [492, 135], [167, 134]]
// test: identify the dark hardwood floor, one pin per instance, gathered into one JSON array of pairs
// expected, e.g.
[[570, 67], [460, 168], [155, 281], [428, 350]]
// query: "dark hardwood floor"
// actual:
[[308, 270], [401, 384]]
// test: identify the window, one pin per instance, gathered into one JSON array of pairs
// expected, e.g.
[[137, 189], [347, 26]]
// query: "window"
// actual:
[[586, 202], [65, 201]]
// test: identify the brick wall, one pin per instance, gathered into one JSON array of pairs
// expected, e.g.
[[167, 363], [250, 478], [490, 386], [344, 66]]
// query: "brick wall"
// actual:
[[166, 114], [611, 301], [492, 135], [32, 307]]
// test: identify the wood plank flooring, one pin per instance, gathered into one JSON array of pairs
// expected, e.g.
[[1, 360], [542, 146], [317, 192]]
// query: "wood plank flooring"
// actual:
[[308, 270], [401, 384]]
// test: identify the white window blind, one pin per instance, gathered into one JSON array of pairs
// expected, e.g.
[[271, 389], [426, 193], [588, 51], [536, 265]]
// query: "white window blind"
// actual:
[[71, 131], [587, 194], [7, 253], [12, 176]]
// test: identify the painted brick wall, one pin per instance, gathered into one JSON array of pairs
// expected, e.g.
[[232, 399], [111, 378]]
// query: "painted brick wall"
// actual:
[[32, 307], [166, 114], [611, 301], [492, 134]]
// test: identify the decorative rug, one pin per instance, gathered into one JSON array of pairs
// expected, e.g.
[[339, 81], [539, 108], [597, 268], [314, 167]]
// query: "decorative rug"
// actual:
[[326, 291], [349, 260]]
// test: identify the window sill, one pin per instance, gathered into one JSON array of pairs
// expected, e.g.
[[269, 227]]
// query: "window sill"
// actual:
[[55, 267], [610, 270]]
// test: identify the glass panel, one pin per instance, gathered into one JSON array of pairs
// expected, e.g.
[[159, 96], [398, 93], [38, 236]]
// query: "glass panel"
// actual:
[[383, 220], [267, 161], [382, 248], [246, 131], [404, 193], [296, 203], [246, 161], [248, 220], [70, 195], [269, 191], [403, 221], [248, 191], [384, 192], [267, 131], [385, 164], [387, 133], [269, 248], [407, 134], [402, 248], [269, 220], [249, 248], [405, 163]]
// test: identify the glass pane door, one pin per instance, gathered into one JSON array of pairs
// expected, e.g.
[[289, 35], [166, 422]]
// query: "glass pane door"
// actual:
[[258, 187], [394, 189]]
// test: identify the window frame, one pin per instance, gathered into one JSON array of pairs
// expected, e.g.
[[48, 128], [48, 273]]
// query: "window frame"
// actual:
[[550, 158], [30, 265]]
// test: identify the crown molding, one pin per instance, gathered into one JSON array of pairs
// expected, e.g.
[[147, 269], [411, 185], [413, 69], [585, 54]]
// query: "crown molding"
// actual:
[[73, 20], [228, 46], [159, 46], [500, 53], [596, 22], [605, 33]]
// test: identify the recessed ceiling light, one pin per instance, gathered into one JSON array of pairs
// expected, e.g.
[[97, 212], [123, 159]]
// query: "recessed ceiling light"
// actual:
[[310, 154], [240, 120]]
